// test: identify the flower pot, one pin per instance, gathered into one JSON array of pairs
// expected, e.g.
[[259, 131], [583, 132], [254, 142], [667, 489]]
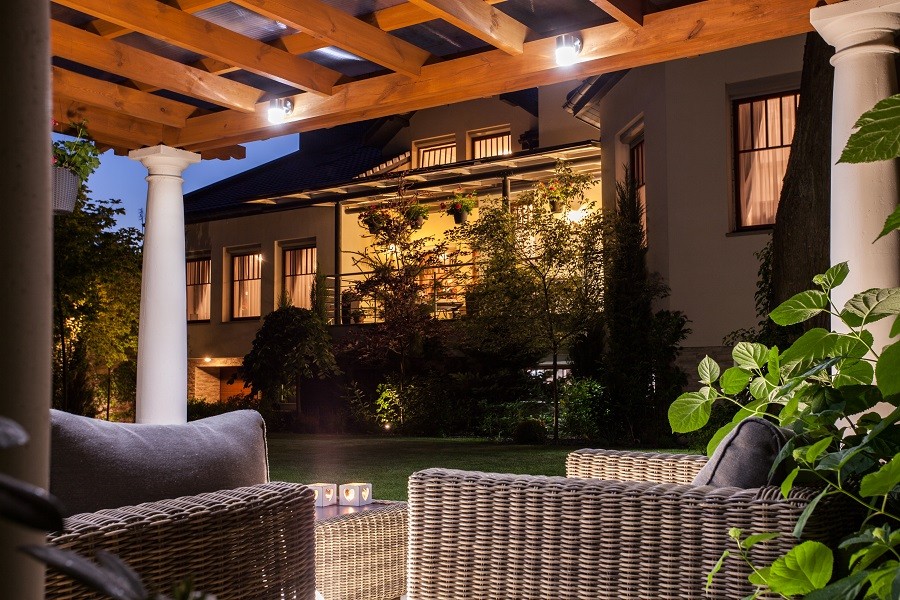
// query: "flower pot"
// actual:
[[374, 229], [556, 206], [417, 222], [65, 186], [460, 217]]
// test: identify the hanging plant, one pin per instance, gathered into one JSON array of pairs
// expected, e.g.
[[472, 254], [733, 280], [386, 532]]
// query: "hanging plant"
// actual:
[[416, 214], [374, 218], [460, 206], [73, 162]]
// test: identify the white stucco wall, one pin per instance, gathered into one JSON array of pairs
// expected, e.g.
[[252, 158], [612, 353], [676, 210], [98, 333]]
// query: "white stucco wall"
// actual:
[[557, 125], [685, 107]]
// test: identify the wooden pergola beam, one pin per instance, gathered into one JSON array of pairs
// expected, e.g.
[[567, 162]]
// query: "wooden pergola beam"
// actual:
[[628, 12], [112, 30], [480, 20], [110, 96], [111, 128], [179, 28], [114, 57], [337, 28], [699, 28]]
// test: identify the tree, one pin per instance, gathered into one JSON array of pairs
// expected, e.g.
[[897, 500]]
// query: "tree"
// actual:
[[638, 375], [543, 271], [97, 282], [291, 345]]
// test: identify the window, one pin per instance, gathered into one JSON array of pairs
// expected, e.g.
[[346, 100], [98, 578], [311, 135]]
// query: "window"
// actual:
[[299, 267], [436, 154], [763, 132], [492, 144], [246, 285], [198, 288], [636, 166]]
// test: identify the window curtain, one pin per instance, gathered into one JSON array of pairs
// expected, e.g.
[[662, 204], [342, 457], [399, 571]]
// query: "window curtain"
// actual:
[[299, 275], [247, 286], [198, 290]]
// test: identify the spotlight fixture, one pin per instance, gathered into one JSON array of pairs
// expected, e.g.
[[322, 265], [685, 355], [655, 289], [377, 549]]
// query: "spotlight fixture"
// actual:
[[280, 109], [568, 47]]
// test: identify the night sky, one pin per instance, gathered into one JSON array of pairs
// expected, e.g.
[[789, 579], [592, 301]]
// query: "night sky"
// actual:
[[123, 178]]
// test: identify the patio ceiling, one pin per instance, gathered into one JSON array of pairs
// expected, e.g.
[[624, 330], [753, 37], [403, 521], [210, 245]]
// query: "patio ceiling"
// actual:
[[199, 74]]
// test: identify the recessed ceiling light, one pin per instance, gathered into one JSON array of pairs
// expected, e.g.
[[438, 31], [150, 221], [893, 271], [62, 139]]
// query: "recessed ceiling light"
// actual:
[[280, 109], [568, 47]]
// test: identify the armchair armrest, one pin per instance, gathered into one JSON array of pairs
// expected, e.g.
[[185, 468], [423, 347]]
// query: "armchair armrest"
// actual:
[[251, 542], [484, 535], [620, 465]]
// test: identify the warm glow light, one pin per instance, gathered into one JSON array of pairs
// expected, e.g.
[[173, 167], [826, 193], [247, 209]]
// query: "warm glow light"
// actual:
[[279, 110], [568, 47], [387, 426], [207, 359], [576, 215]]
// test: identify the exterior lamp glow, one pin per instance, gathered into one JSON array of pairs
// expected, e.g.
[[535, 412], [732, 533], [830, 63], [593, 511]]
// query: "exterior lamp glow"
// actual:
[[280, 109], [568, 47], [355, 494], [326, 494]]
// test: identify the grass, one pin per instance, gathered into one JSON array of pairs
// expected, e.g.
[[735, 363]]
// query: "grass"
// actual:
[[388, 462]]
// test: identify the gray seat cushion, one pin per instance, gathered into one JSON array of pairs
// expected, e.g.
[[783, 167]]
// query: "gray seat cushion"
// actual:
[[745, 456], [97, 464]]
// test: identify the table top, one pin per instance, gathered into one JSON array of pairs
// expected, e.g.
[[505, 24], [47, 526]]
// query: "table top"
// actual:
[[323, 513]]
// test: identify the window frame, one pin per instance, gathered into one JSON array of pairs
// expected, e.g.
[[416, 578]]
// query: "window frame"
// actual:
[[434, 143], [208, 283], [736, 102], [494, 133], [232, 282]]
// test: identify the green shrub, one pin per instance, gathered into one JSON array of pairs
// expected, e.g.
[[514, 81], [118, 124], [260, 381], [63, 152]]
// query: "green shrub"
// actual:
[[581, 409], [530, 431]]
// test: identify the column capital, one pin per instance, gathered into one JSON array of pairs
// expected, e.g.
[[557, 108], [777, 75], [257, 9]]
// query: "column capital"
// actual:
[[164, 160], [867, 25]]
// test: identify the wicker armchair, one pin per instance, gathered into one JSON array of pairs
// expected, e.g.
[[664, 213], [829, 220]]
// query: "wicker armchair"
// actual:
[[246, 543], [621, 525]]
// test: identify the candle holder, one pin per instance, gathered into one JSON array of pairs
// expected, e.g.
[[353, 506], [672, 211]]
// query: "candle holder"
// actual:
[[326, 493], [355, 494]]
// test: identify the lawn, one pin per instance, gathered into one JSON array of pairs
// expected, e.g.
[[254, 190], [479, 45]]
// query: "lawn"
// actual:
[[388, 462]]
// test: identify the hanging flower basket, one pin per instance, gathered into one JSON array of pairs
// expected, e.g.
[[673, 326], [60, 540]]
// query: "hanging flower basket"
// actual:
[[460, 206], [460, 217], [65, 186]]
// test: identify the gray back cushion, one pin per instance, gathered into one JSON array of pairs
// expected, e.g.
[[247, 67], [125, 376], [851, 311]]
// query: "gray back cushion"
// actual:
[[745, 456], [97, 464]]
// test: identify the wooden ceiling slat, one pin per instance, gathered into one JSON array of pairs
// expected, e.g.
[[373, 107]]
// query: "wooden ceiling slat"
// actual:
[[481, 20], [690, 30], [177, 27], [340, 29], [629, 12], [119, 98], [109, 127], [114, 57], [111, 30]]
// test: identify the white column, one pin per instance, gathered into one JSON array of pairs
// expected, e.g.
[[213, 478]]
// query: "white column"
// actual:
[[862, 196], [26, 247], [162, 336]]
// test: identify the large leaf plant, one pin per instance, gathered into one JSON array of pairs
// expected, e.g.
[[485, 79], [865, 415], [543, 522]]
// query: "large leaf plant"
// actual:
[[825, 387]]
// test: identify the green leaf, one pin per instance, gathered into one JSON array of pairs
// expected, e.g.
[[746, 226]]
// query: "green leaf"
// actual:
[[870, 306], [878, 134], [887, 371], [689, 412], [800, 307], [760, 388], [805, 568], [788, 484], [814, 451], [847, 588], [885, 581], [760, 577], [814, 344], [716, 568], [718, 436], [708, 370], [788, 411], [734, 380], [774, 366], [892, 223], [833, 277], [895, 328], [807, 512], [750, 356], [751, 540], [853, 372], [881, 481]]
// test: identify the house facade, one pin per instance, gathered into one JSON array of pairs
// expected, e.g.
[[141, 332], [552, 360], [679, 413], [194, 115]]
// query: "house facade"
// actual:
[[705, 137]]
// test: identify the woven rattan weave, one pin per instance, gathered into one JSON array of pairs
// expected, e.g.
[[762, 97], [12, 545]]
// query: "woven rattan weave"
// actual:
[[248, 543], [490, 536], [362, 556]]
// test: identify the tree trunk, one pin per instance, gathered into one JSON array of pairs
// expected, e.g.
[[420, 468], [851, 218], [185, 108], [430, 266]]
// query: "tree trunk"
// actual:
[[800, 239], [555, 388]]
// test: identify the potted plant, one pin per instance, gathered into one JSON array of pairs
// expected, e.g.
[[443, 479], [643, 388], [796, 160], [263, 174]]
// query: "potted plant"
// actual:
[[374, 218], [73, 162], [564, 190], [416, 214], [460, 206]]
